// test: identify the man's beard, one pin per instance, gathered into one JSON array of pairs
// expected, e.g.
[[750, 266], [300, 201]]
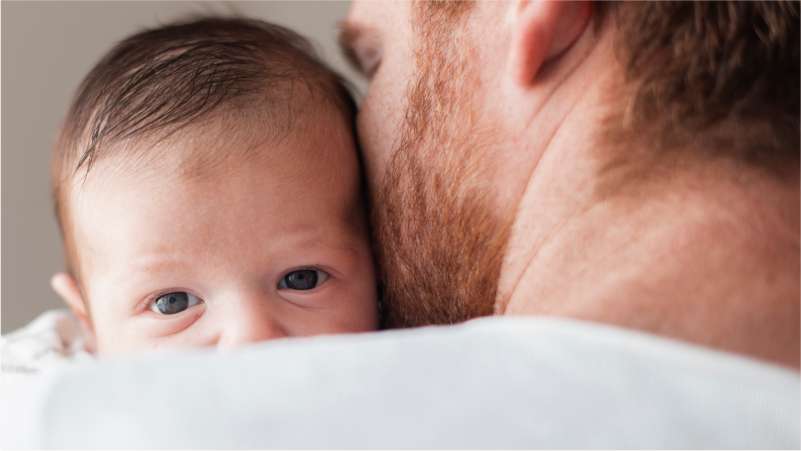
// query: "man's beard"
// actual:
[[440, 243]]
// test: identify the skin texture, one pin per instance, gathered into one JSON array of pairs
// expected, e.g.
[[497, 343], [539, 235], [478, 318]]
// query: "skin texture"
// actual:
[[226, 231], [701, 250]]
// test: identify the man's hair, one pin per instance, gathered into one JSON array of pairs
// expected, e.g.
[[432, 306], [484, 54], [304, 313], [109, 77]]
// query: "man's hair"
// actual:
[[159, 81], [724, 75]]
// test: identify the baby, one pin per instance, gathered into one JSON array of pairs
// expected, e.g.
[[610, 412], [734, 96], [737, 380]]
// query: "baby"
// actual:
[[207, 185]]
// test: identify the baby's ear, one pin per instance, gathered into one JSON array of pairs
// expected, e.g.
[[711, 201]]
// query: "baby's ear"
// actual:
[[67, 288]]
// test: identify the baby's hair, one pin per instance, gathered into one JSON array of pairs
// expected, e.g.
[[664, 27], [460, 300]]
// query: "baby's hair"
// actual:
[[157, 82]]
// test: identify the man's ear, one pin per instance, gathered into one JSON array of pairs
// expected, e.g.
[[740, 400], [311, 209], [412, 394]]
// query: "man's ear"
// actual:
[[67, 288], [543, 30]]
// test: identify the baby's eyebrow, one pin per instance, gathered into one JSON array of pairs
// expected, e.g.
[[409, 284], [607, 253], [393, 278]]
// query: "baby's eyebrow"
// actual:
[[154, 262], [142, 269], [309, 236]]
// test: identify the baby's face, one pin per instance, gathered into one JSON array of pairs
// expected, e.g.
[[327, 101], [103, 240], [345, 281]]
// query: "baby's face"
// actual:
[[259, 247]]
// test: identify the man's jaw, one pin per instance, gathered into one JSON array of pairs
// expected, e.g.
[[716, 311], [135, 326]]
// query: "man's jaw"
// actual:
[[558, 138]]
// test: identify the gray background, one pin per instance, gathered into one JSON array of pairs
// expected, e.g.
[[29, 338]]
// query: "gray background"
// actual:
[[47, 48]]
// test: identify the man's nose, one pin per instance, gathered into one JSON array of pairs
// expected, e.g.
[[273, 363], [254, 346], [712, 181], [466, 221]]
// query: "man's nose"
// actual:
[[249, 319]]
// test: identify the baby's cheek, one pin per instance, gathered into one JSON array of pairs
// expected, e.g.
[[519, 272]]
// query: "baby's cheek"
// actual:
[[366, 291], [360, 313], [369, 308], [153, 326], [144, 332]]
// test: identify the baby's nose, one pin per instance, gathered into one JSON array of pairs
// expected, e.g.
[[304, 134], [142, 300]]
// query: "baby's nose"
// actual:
[[250, 320]]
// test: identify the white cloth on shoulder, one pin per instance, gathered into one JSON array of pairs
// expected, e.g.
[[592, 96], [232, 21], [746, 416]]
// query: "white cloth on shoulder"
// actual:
[[490, 383], [52, 339]]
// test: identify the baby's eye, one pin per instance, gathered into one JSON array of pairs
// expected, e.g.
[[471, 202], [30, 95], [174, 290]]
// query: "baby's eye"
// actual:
[[302, 279], [172, 303]]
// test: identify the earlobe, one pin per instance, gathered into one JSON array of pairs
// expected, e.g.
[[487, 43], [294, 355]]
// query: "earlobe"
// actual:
[[544, 30], [67, 288]]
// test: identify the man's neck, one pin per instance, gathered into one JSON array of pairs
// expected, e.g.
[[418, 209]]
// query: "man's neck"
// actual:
[[701, 256]]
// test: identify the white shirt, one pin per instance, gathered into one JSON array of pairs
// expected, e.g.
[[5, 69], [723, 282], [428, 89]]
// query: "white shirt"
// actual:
[[489, 383]]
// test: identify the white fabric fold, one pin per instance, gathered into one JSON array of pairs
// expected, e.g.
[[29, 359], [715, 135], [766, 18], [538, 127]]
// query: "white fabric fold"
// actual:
[[489, 383]]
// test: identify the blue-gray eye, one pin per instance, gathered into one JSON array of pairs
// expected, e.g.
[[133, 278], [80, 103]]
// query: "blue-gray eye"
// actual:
[[302, 279], [172, 303]]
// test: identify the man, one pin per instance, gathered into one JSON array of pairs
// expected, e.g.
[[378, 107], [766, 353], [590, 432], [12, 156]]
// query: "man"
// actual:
[[634, 164]]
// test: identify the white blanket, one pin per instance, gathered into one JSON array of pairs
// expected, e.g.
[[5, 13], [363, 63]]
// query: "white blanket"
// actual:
[[490, 383], [53, 339]]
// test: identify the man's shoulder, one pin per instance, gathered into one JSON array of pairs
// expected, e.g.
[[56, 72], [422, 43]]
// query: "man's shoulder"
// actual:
[[495, 382]]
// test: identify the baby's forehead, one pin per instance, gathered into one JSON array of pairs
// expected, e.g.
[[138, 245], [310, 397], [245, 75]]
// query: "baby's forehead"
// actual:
[[212, 185], [309, 131], [192, 99]]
